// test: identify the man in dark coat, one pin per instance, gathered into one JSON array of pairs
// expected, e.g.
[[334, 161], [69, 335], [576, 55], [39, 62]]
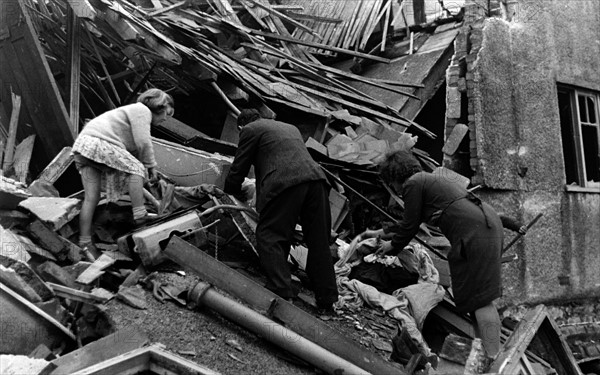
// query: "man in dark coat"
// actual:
[[289, 185]]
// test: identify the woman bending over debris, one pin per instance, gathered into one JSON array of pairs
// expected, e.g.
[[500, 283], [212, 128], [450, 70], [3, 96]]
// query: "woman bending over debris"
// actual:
[[473, 228], [114, 150]]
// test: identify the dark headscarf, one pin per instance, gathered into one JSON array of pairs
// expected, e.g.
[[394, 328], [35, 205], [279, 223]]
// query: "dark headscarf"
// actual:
[[398, 166]]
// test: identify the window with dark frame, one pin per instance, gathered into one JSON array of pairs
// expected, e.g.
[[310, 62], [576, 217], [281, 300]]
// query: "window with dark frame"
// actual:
[[580, 130]]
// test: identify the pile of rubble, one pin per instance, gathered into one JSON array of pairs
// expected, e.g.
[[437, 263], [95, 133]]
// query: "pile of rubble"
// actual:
[[278, 58], [52, 289]]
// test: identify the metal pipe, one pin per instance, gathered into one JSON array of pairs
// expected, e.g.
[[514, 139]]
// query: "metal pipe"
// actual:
[[203, 294]]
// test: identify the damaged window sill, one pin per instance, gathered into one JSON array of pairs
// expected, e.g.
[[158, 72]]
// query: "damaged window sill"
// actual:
[[582, 189]]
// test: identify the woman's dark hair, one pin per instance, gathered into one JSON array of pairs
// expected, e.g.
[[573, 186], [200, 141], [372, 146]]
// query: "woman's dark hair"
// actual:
[[156, 100], [398, 166], [247, 116]]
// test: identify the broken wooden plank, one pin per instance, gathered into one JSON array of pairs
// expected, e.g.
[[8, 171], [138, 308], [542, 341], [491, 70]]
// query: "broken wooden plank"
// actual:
[[83, 9], [26, 66], [303, 16], [152, 359], [321, 46], [22, 158], [73, 74], [355, 77], [167, 9], [536, 323], [107, 75], [106, 348], [76, 295], [95, 270], [247, 290], [283, 16], [12, 132]]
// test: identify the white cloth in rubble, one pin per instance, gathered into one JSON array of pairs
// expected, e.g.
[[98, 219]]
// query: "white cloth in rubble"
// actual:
[[409, 305]]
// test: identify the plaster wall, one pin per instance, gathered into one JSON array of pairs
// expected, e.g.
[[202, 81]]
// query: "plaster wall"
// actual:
[[514, 108]]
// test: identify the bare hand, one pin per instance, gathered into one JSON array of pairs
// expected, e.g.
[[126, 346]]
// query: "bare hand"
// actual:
[[371, 233], [384, 248], [523, 229], [152, 175]]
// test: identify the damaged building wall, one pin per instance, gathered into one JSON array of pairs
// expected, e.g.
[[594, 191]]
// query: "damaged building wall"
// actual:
[[510, 59]]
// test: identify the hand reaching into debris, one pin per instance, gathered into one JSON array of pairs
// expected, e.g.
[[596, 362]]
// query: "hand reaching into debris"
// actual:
[[152, 175], [384, 248], [371, 233]]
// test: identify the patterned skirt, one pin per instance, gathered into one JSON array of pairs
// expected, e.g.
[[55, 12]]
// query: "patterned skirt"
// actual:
[[120, 164]]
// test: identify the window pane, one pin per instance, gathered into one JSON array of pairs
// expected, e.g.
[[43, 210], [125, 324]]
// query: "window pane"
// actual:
[[591, 105], [582, 108], [590, 151], [568, 137]]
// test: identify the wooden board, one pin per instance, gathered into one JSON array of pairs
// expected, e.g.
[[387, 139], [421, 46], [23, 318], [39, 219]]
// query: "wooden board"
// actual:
[[26, 70], [538, 326], [101, 350]]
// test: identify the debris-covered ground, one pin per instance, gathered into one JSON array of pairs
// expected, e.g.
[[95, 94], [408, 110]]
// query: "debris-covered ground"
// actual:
[[211, 340]]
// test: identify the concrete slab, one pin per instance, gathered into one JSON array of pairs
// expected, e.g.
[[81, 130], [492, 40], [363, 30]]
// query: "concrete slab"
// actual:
[[52, 272], [30, 277], [54, 212]]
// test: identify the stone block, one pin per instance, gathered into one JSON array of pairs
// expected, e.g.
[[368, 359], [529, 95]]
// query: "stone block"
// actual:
[[458, 133], [54, 309], [52, 272], [461, 84], [54, 212], [453, 102], [77, 269]]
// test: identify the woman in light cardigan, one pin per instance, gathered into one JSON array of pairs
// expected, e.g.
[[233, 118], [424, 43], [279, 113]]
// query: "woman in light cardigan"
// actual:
[[114, 150]]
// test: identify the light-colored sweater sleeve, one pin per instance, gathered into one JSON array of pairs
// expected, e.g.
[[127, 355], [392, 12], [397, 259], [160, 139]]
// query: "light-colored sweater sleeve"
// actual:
[[140, 119]]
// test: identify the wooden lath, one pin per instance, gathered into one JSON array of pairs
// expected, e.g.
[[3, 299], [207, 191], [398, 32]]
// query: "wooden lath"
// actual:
[[356, 22], [538, 333]]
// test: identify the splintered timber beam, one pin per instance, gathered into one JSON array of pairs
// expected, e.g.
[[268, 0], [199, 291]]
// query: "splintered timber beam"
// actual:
[[12, 131], [223, 277], [283, 16]]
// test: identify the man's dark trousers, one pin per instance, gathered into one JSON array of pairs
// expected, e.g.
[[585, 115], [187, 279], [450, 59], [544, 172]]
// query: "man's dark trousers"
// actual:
[[308, 201]]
